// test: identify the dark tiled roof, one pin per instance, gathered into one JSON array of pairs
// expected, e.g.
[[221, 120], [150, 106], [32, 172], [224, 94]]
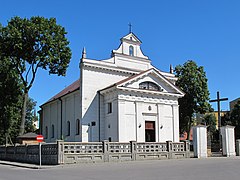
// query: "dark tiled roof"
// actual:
[[71, 88]]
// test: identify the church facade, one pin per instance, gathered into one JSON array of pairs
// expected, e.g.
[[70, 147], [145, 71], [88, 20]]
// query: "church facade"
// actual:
[[120, 99]]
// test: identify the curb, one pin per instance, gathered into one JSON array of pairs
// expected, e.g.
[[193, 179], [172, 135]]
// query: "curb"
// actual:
[[22, 165]]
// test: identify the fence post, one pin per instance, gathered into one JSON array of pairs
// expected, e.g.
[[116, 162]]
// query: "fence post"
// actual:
[[133, 150], [5, 155], [60, 150], [187, 149], [106, 151], [238, 147], [169, 149]]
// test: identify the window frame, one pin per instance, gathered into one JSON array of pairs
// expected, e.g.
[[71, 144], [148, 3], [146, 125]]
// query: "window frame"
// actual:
[[109, 108], [52, 131], [68, 128], [131, 50], [148, 85], [77, 126]]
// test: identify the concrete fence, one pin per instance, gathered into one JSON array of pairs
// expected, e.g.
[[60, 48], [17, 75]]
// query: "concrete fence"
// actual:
[[78, 152], [30, 153]]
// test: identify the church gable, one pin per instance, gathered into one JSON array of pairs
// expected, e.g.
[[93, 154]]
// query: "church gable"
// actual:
[[132, 38], [130, 46], [150, 80]]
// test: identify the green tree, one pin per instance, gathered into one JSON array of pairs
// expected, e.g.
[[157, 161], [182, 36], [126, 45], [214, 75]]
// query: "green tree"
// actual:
[[210, 121], [235, 119], [31, 44], [191, 80], [30, 116], [10, 104]]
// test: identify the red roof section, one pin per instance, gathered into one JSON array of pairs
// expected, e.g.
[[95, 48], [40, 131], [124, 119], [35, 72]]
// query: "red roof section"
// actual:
[[72, 87]]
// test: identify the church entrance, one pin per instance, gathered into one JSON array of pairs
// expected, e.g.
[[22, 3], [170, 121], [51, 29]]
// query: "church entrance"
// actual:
[[150, 131]]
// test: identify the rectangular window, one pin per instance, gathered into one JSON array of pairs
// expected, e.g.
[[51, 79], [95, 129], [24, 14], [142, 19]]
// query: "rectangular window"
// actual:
[[52, 131], [109, 107], [77, 127], [93, 123]]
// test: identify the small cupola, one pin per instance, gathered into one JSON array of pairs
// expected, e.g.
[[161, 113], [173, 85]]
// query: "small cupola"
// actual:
[[130, 46]]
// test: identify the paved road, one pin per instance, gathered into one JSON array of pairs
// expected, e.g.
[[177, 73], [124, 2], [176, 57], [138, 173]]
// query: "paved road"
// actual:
[[184, 169]]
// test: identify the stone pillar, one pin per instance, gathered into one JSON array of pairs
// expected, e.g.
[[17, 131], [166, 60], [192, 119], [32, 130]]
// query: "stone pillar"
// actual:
[[187, 148], [106, 151], [133, 150], [238, 147], [228, 141], [60, 149], [169, 149], [200, 141]]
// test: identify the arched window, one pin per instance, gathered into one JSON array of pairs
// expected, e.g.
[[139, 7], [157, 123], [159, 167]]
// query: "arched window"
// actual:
[[68, 128], [46, 132], [131, 51], [77, 127], [149, 85], [52, 131]]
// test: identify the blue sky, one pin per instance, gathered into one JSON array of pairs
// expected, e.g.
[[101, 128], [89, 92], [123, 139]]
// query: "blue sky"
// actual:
[[172, 32]]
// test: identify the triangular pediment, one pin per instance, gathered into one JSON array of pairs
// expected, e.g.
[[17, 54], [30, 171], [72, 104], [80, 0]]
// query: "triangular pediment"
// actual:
[[151, 81], [131, 37]]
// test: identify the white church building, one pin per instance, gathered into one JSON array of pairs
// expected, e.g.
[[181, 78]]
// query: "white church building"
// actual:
[[120, 99]]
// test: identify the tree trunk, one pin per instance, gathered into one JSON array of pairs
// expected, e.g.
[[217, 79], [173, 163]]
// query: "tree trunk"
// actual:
[[24, 106], [189, 128]]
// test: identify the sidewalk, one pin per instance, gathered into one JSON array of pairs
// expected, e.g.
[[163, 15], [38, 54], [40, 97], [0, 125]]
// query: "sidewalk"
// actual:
[[26, 165]]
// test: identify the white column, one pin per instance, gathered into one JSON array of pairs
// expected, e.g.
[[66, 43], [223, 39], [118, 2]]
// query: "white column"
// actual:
[[228, 141], [175, 115], [140, 124], [200, 141]]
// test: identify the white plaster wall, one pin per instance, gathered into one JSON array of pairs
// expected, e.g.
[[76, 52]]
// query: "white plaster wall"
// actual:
[[93, 80], [166, 121], [127, 121], [133, 63], [52, 116], [137, 50], [111, 122]]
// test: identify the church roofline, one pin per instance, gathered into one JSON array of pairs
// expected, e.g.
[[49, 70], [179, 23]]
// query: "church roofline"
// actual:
[[117, 85], [108, 66], [69, 89]]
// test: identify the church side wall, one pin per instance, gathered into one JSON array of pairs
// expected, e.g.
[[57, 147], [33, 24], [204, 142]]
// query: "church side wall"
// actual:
[[93, 80], [51, 129]]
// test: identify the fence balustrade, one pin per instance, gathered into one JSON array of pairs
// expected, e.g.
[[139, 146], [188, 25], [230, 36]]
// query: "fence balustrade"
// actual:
[[77, 152]]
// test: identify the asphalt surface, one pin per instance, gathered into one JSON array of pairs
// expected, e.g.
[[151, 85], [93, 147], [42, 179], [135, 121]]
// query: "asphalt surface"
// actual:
[[179, 169]]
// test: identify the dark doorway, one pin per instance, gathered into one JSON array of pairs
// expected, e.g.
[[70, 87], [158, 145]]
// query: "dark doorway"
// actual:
[[150, 131]]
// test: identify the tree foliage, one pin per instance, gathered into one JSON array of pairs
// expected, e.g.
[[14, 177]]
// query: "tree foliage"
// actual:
[[191, 80], [10, 100], [210, 121], [31, 44], [31, 116], [233, 119]]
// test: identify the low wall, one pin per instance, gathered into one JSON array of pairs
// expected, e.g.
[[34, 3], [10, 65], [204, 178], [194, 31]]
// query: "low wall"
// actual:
[[113, 151], [78, 152], [30, 153]]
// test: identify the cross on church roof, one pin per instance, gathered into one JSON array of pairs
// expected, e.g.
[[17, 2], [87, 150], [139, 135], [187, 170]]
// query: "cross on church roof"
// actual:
[[130, 27]]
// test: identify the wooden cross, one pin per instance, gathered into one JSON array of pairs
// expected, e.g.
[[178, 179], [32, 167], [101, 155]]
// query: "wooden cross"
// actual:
[[218, 100]]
